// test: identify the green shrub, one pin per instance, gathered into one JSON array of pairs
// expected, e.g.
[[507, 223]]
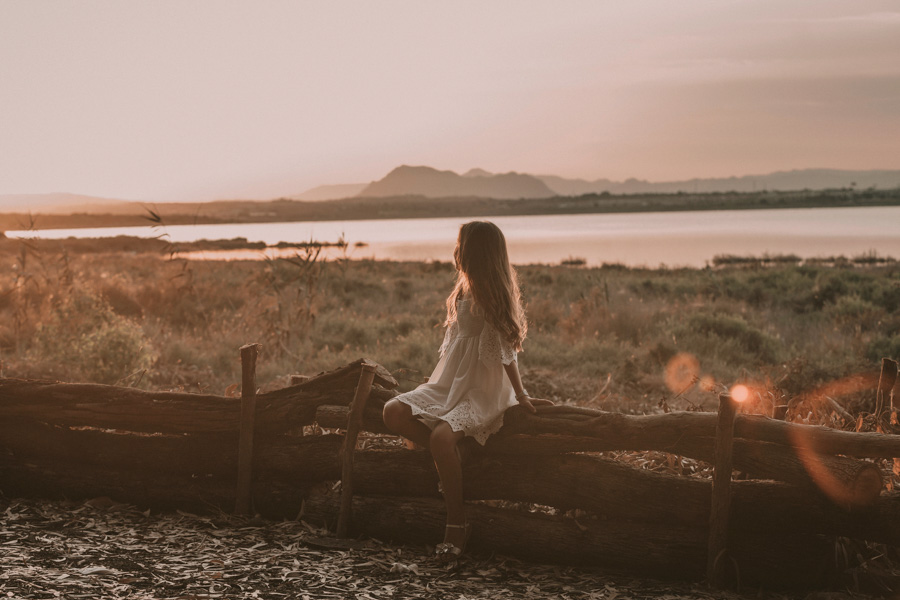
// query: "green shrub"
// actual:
[[726, 338], [543, 314], [121, 300], [588, 316], [884, 347], [591, 357], [651, 287], [403, 290], [888, 296], [83, 338], [851, 310]]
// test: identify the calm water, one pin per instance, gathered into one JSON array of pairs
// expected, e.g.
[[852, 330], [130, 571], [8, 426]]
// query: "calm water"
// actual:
[[634, 239]]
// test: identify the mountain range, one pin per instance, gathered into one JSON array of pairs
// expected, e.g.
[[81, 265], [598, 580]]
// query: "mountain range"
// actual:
[[432, 183], [422, 181]]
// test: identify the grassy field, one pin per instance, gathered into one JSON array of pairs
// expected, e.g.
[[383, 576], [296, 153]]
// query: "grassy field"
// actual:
[[611, 337]]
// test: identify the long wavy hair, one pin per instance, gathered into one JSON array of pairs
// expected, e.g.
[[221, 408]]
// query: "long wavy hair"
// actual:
[[483, 269]]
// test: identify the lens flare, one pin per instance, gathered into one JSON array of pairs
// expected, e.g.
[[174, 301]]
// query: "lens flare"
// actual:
[[707, 383], [848, 494], [740, 393], [682, 371]]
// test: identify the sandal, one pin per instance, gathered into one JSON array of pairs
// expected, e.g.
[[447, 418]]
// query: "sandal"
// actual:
[[447, 552]]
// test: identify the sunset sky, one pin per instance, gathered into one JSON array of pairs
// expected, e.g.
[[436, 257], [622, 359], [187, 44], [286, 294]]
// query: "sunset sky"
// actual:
[[196, 100]]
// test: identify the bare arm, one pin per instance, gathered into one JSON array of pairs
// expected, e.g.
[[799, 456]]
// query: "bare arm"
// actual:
[[512, 371]]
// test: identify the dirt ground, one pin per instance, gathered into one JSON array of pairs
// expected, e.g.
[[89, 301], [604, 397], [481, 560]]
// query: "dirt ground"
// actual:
[[101, 549]]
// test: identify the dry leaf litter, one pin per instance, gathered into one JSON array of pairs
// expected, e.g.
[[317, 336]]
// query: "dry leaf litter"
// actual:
[[101, 549]]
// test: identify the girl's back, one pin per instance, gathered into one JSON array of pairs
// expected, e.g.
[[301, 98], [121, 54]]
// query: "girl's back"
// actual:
[[469, 321]]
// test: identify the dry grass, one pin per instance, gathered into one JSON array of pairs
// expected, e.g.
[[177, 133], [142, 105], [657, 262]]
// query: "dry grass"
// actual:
[[598, 336]]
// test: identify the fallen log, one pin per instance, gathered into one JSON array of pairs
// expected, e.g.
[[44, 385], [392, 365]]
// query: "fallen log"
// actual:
[[847, 481], [286, 470], [668, 432], [621, 492], [27, 439], [289, 466], [675, 551], [669, 429], [129, 409], [673, 548], [850, 482], [54, 479], [157, 491], [312, 458], [331, 416]]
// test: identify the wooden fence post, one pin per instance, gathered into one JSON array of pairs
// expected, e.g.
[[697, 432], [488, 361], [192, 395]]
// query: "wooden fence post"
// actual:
[[717, 548], [354, 424], [895, 392], [249, 354], [886, 381]]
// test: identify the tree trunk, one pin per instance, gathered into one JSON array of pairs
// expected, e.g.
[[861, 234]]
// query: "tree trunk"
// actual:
[[673, 551], [667, 431], [56, 443], [671, 432], [621, 492], [289, 467], [847, 481], [308, 457], [128, 409], [331, 416]]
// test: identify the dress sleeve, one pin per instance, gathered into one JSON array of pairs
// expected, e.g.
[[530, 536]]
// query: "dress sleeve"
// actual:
[[449, 336], [492, 348]]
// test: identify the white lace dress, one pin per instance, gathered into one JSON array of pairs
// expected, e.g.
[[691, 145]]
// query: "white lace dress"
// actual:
[[469, 388]]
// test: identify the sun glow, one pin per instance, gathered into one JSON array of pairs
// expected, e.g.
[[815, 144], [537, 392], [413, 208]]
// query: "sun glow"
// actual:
[[740, 393]]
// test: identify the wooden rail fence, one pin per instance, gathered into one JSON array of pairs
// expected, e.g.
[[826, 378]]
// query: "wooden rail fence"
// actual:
[[198, 452]]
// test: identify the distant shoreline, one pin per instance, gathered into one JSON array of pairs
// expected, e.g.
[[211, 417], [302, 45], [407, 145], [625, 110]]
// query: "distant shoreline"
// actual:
[[208, 250], [416, 207]]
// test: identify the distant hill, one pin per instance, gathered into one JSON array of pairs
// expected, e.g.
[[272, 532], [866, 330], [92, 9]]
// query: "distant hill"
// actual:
[[576, 187], [331, 192], [800, 179], [58, 203], [427, 182], [431, 183]]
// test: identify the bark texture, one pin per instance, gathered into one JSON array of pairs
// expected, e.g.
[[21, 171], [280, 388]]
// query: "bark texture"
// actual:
[[128, 409], [848, 481], [674, 551]]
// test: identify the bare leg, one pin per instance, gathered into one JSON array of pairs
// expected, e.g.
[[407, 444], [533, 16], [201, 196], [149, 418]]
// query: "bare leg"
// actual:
[[399, 418], [443, 449]]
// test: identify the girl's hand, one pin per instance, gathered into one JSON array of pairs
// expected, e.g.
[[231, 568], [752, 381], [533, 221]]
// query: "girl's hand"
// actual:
[[530, 403]]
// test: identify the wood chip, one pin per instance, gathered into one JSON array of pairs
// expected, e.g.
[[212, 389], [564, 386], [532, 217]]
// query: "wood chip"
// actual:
[[60, 549]]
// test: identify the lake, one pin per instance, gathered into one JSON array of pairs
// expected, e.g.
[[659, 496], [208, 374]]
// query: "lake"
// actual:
[[650, 239]]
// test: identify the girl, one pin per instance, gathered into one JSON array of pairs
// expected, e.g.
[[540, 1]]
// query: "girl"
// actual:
[[477, 377]]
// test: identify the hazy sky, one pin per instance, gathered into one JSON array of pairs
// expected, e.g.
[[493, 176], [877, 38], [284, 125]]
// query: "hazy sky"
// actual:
[[194, 100]]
